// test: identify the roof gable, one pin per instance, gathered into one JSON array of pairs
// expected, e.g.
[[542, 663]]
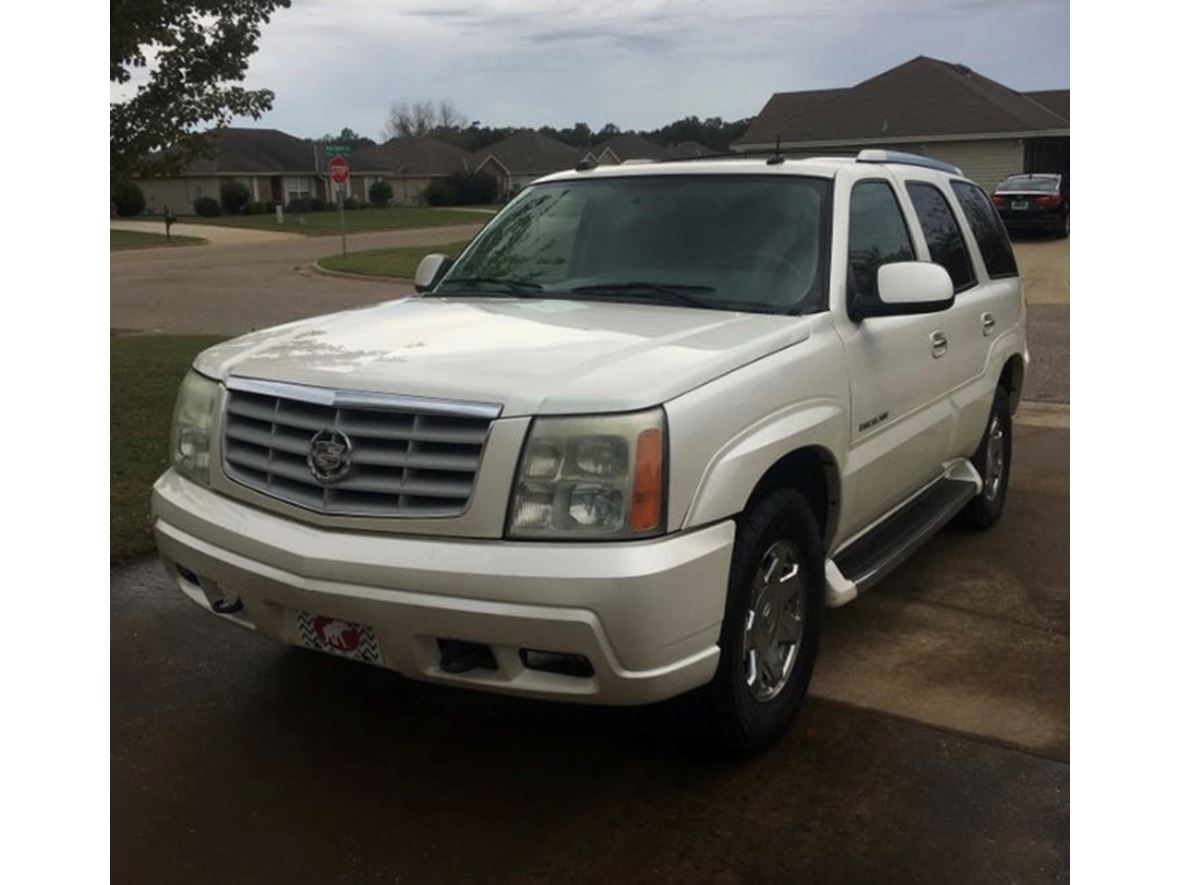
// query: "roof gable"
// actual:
[[267, 151], [529, 152], [921, 97]]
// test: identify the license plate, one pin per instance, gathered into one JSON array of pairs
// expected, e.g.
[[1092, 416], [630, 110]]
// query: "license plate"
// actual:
[[357, 642], [1020, 204]]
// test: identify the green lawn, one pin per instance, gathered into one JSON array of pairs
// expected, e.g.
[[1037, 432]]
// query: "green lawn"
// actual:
[[401, 263], [133, 239], [323, 224], [145, 374]]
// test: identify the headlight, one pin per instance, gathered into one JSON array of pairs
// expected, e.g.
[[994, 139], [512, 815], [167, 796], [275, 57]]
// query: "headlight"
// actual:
[[192, 422], [591, 477]]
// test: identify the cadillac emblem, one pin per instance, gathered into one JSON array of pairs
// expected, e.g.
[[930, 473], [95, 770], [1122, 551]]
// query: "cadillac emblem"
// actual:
[[330, 456]]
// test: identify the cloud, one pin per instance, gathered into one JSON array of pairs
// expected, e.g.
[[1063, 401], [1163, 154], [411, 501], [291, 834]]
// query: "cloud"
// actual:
[[637, 63]]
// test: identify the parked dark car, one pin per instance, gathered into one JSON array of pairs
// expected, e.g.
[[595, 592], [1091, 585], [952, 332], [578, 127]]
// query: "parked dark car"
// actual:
[[1037, 202]]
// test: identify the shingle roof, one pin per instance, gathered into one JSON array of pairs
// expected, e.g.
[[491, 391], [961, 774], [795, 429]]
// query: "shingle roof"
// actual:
[[414, 155], [529, 153], [687, 150], [1056, 100], [267, 151], [922, 97], [630, 146]]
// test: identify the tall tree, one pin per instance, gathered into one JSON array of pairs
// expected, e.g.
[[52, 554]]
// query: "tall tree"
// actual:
[[195, 53], [422, 118]]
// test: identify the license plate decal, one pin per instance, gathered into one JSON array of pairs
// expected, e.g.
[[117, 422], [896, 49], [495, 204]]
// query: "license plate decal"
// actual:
[[357, 642], [1020, 204]]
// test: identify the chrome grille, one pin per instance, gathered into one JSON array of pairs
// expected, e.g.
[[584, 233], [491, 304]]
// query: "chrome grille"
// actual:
[[410, 456]]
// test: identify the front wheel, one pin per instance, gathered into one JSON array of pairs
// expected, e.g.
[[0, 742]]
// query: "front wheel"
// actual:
[[774, 613]]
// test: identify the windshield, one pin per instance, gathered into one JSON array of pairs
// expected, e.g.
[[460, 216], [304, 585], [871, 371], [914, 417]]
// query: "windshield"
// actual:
[[732, 242], [1039, 183]]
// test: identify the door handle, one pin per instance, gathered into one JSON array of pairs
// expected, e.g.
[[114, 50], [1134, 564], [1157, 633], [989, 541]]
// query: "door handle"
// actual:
[[938, 344], [989, 324]]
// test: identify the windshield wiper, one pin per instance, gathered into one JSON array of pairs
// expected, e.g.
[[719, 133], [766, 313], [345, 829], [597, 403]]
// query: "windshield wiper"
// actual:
[[677, 291], [510, 285]]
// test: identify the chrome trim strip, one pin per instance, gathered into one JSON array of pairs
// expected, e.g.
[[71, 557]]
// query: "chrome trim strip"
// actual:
[[360, 399]]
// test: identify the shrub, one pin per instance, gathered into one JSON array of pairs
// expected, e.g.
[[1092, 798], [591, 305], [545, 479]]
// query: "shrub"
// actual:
[[206, 207], [460, 189], [235, 197], [256, 207], [306, 204], [380, 193], [128, 199], [353, 203]]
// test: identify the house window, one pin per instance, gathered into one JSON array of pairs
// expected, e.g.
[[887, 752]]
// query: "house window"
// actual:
[[299, 187]]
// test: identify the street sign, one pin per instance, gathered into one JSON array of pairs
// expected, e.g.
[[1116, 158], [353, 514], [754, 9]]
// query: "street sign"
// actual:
[[338, 169], [337, 150]]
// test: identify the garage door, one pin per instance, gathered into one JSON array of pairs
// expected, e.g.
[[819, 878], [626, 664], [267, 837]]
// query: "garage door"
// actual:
[[985, 162]]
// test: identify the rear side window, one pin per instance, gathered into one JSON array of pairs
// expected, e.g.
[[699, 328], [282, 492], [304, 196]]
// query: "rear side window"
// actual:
[[877, 234], [988, 229], [942, 233]]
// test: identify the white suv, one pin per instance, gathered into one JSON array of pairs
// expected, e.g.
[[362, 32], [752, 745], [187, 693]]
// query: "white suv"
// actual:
[[629, 444]]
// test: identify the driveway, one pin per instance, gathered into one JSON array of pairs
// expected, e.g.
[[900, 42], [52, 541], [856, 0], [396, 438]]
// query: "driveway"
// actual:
[[241, 283], [220, 236], [1044, 267], [934, 746]]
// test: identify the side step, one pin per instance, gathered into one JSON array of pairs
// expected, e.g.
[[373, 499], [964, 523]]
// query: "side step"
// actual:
[[875, 554]]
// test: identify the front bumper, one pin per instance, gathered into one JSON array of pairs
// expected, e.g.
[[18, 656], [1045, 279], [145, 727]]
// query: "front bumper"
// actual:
[[645, 614]]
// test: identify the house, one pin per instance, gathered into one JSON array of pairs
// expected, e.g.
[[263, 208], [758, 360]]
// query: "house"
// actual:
[[628, 146], [521, 158], [688, 150], [274, 165], [409, 164], [924, 106]]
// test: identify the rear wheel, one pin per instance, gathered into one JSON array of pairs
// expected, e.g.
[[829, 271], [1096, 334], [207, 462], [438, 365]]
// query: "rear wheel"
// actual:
[[993, 461], [774, 613]]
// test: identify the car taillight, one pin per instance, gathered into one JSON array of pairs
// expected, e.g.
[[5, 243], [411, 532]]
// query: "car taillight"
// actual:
[[997, 199], [1048, 200]]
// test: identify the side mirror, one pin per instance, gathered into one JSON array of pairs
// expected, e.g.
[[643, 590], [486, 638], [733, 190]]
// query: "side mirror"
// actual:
[[905, 288], [431, 269]]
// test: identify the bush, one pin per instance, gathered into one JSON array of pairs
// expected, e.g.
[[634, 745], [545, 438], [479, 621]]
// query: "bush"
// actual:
[[128, 199], [257, 207], [235, 197], [353, 203], [306, 204], [380, 193], [206, 207], [460, 189]]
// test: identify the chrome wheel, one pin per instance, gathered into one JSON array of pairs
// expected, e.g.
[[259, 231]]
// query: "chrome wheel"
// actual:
[[774, 621], [994, 468]]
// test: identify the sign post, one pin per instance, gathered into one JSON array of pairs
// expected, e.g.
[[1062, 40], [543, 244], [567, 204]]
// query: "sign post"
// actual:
[[338, 172]]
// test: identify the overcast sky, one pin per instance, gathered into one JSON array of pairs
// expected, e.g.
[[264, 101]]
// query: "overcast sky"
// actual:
[[636, 63]]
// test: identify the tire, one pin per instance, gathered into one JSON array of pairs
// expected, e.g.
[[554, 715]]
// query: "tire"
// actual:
[[986, 507], [1063, 232], [749, 717]]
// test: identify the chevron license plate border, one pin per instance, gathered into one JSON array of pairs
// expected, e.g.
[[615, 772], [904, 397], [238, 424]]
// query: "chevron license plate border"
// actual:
[[336, 636]]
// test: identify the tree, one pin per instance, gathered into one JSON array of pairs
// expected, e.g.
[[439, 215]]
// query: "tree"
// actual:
[[347, 136], [421, 118], [195, 53]]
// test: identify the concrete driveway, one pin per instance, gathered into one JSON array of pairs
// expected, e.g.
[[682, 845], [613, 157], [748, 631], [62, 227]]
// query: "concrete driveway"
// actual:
[[220, 236], [934, 746], [1044, 267]]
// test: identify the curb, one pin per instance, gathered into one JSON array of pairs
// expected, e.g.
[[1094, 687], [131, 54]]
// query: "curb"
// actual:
[[367, 277], [1034, 414]]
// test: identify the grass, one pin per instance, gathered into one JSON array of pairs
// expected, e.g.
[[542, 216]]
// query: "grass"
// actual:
[[327, 223], [146, 371], [133, 239], [400, 263]]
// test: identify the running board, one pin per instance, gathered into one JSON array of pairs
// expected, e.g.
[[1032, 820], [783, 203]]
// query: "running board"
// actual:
[[880, 550]]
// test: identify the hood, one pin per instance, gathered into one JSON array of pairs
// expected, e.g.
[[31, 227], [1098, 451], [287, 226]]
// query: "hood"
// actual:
[[533, 356]]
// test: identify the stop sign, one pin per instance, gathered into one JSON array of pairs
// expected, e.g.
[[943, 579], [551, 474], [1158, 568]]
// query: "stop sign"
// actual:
[[338, 169]]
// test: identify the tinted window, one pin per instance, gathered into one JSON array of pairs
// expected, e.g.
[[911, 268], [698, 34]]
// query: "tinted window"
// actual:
[[877, 235], [1039, 183], [756, 242], [942, 233], [988, 229]]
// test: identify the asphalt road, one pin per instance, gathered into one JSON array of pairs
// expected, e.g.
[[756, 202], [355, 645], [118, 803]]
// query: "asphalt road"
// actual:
[[934, 746]]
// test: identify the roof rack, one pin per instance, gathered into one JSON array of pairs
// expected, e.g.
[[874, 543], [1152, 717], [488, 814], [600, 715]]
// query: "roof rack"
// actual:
[[875, 155]]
